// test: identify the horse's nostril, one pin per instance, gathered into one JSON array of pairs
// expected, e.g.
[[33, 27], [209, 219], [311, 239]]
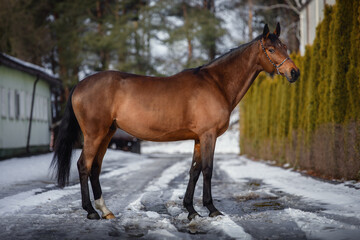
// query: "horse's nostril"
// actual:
[[294, 75]]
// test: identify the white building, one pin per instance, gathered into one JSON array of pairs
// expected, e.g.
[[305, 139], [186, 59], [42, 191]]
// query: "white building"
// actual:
[[310, 16], [26, 107]]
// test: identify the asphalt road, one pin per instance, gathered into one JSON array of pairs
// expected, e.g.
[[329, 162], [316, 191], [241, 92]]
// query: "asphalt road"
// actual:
[[145, 194]]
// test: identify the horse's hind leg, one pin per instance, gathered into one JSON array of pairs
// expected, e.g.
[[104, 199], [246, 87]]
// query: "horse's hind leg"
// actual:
[[94, 177], [85, 162], [195, 171]]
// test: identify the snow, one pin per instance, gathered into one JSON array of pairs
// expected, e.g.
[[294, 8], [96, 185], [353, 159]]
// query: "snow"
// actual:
[[33, 66], [36, 168], [316, 227], [18, 170], [168, 175], [10, 205], [146, 192], [152, 219], [339, 199], [227, 225]]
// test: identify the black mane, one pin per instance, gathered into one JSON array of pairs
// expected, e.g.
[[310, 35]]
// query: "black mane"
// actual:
[[242, 47], [231, 51]]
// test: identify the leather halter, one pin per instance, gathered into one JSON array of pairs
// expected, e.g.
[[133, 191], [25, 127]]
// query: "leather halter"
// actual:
[[276, 66]]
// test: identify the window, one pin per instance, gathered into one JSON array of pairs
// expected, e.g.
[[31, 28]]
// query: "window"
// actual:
[[28, 105], [36, 108], [3, 105], [17, 104], [42, 108], [46, 110], [22, 105], [11, 103]]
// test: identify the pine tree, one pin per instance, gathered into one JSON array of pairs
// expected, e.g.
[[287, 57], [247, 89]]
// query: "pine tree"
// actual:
[[353, 75], [325, 68], [25, 31], [341, 43], [200, 28], [312, 98]]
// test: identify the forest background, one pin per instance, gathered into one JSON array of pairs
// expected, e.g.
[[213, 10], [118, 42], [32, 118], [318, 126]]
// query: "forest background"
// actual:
[[152, 37], [312, 124]]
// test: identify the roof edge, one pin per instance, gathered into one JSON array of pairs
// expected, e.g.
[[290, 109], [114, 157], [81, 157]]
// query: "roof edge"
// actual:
[[29, 68]]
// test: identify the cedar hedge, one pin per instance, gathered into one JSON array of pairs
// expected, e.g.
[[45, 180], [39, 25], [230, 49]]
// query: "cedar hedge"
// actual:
[[313, 124]]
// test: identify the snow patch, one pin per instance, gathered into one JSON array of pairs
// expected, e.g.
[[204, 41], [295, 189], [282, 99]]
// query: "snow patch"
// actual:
[[218, 224], [36, 168], [230, 227], [19, 170], [161, 234], [33, 66], [338, 199], [159, 225], [319, 227], [130, 167], [10, 205], [151, 214], [136, 205], [168, 175]]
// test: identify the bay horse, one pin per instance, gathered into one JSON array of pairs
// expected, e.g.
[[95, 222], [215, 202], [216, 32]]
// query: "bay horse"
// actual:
[[193, 104]]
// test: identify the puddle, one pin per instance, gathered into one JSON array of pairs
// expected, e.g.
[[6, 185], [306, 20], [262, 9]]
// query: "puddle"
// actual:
[[253, 184], [268, 205], [132, 231], [159, 208]]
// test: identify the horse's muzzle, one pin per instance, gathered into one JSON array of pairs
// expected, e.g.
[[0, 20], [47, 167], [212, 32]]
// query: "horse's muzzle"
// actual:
[[294, 75]]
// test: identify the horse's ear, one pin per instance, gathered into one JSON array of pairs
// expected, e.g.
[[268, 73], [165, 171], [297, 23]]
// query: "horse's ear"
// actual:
[[277, 30], [266, 32]]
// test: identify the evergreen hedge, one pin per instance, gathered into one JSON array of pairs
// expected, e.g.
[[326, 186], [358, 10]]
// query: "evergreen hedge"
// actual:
[[313, 124]]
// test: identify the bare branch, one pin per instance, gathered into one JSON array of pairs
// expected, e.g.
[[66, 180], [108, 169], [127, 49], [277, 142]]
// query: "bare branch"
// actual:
[[288, 28], [292, 6], [277, 6], [298, 4]]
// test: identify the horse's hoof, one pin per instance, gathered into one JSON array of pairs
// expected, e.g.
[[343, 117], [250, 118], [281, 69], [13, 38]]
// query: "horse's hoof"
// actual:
[[193, 216], [214, 214], [93, 216], [109, 216]]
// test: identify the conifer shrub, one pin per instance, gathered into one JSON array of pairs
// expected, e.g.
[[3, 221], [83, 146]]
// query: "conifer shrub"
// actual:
[[313, 124]]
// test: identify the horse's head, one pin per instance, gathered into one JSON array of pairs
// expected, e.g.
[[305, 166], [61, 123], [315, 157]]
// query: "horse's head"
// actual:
[[274, 56]]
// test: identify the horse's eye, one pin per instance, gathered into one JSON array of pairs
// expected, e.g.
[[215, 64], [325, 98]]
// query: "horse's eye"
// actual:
[[271, 50]]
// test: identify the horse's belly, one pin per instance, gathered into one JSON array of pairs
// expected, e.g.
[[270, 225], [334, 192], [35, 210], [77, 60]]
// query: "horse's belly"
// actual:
[[156, 125], [156, 133], [166, 136]]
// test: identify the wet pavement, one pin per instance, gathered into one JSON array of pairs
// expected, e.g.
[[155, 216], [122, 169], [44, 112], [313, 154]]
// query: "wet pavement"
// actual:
[[146, 197]]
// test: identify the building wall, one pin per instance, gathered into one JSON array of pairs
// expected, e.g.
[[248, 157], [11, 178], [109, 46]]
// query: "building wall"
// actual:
[[310, 16], [15, 106]]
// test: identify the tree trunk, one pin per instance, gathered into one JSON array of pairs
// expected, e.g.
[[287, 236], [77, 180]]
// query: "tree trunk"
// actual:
[[190, 48], [250, 2], [209, 5]]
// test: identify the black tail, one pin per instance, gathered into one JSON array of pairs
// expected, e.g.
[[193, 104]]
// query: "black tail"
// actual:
[[69, 133]]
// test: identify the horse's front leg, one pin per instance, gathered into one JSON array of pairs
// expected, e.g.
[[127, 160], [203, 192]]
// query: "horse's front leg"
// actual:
[[207, 147], [194, 176]]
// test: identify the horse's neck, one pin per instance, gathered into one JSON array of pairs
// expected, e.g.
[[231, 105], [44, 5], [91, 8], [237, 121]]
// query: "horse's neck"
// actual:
[[236, 73]]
